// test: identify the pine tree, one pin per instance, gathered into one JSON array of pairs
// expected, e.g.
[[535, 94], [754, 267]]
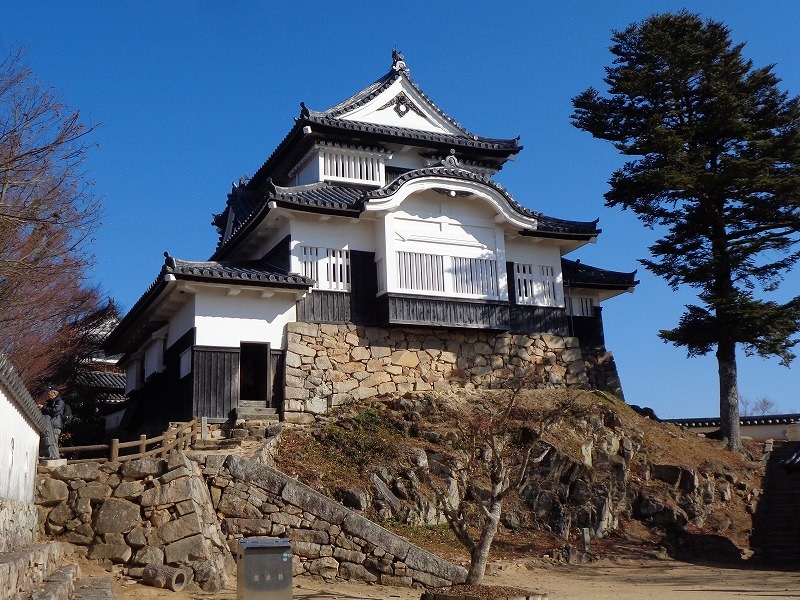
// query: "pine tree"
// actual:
[[717, 172]]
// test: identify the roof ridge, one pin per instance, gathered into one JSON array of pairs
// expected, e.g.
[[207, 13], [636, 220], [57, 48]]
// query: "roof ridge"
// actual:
[[398, 70]]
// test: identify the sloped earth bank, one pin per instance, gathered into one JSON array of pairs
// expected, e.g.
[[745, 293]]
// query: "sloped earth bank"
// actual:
[[672, 495], [636, 485]]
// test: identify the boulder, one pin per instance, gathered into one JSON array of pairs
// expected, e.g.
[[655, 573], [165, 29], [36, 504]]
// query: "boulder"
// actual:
[[117, 515], [50, 491], [142, 467], [88, 471], [327, 567], [187, 550], [178, 529], [118, 553], [147, 555]]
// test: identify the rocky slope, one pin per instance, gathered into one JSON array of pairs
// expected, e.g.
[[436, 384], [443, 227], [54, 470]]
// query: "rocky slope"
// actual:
[[604, 471]]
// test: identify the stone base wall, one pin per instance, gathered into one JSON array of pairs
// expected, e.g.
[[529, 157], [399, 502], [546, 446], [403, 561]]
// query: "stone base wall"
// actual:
[[174, 512], [18, 525], [135, 513], [332, 364], [327, 539]]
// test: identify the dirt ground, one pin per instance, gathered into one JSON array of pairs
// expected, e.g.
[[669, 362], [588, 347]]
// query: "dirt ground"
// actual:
[[663, 579]]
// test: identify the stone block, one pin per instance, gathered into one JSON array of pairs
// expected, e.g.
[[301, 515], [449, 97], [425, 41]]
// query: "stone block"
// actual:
[[178, 529], [95, 491], [427, 580], [301, 349], [173, 492], [298, 418], [327, 567], [358, 526], [233, 505], [129, 490], [395, 581], [89, 471], [362, 393], [422, 561], [302, 328], [351, 556], [293, 360], [250, 471], [380, 351], [147, 555], [405, 358], [356, 572], [142, 467], [360, 353], [553, 342], [315, 536], [317, 405], [50, 491], [313, 502], [247, 527], [117, 515], [187, 550], [60, 515], [118, 553], [307, 549]]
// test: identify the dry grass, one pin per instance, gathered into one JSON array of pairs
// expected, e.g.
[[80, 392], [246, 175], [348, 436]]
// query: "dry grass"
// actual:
[[341, 453]]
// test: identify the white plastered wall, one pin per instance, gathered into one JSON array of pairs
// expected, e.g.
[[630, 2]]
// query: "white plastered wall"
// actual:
[[334, 232], [227, 321], [527, 251], [19, 451]]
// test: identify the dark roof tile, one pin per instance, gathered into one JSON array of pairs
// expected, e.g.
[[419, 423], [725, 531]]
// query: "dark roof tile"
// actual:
[[19, 394], [107, 380], [251, 271], [579, 274]]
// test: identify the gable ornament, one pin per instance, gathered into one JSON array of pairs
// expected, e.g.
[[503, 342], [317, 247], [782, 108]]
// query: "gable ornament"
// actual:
[[402, 105]]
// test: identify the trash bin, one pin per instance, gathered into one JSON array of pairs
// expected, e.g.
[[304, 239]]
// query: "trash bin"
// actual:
[[264, 569]]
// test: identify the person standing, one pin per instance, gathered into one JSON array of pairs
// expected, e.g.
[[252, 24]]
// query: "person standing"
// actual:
[[54, 408]]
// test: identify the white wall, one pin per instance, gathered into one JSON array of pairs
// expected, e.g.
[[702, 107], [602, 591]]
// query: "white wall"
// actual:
[[226, 321], [182, 321], [526, 250], [19, 451], [336, 232]]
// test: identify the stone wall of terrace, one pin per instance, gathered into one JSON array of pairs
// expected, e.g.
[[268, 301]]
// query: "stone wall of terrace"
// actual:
[[332, 364], [18, 526]]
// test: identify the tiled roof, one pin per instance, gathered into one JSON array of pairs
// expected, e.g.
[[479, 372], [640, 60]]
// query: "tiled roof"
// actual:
[[743, 421], [327, 196], [323, 195], [19, 394], [111, 398], [579, 274], [330, 120], [404, 133], [251, 271], [256, 273], [399, 70], [544, 224], [243, 202], [107, 380]]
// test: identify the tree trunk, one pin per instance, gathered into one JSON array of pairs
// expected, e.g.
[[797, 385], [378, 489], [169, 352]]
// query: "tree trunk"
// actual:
[[729, 395], [480, 553]]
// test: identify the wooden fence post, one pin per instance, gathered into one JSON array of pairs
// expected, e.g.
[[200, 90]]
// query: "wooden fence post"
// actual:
[[114, 450], [142, 444]]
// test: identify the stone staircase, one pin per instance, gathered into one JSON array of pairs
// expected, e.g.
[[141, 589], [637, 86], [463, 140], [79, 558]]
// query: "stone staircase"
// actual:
[[777, 521], [255, 410], [44, 571]]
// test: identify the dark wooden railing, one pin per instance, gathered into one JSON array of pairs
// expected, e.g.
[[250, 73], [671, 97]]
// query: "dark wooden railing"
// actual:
[[178, 435]]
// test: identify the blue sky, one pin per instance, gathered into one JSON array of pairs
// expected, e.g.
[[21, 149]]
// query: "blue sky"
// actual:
[[190, 96]]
